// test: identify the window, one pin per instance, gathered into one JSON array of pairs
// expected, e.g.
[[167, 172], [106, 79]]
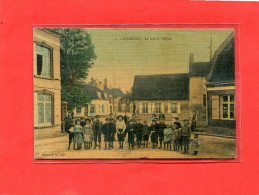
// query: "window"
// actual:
[[123, 107], [144, 107], [102, 108], [158, 107], [44, 108], [92, 108], [43, 61], [228, 107], [78, 110], [173, 107]]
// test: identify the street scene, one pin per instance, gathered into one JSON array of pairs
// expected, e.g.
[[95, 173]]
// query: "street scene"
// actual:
[[134, 93]]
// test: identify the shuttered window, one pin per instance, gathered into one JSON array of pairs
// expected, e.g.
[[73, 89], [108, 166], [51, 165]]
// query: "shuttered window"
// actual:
[[227, 107], [215, 106]]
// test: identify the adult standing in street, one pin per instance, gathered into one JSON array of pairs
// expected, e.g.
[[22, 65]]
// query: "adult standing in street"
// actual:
[[68, 124], [97, 127]]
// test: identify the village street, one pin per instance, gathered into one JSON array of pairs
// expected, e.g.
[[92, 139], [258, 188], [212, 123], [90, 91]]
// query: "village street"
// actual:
[[56, 148]]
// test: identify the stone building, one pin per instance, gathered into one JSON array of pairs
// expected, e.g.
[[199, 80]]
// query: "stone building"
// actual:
[[47, 83]]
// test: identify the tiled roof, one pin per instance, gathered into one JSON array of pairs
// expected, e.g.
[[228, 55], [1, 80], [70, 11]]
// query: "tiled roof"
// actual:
[[161, 87]]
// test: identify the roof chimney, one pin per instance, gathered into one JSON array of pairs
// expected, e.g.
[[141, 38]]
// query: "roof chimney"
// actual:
[[105, 84]]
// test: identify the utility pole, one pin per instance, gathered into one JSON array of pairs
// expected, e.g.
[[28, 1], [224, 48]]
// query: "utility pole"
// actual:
[[210, 47]]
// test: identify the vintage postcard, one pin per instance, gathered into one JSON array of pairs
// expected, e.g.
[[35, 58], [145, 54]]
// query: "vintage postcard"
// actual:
[[134, 93]]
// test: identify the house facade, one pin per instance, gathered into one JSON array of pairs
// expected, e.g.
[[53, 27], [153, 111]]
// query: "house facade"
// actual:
[[47, 83], [220, 85], [100, 104], [157, 94], [113, 95]]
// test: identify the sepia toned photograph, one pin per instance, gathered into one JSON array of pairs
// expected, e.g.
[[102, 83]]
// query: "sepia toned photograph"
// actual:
[[134, 93]]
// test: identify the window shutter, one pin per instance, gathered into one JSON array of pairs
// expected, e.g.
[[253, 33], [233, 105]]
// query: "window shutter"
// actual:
[[153, 107], [140, 108], [169, 108], [52, 110], [178, 108], [215, 106], [35, 109], [149, 107], [162, 108]]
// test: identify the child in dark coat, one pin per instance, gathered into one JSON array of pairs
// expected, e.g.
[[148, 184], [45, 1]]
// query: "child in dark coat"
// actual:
[[139, 128], [161, 128], [131, 134], [107, 130], [154, 134], [146, 133], [174, 137]]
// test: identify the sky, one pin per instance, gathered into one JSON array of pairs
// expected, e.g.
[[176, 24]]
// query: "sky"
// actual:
[[124, 53]]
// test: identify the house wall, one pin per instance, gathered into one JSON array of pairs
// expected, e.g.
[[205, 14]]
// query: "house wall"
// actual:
[[197, 88], [214, 107], [183, 109], [85, 111], [51, 85]]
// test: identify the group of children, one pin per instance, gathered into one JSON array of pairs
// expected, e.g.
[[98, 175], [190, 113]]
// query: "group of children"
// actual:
[[169, 136]]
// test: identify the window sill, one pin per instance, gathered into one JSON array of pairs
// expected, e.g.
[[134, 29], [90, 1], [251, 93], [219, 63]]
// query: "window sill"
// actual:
[[45, 126], [44, 77]]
